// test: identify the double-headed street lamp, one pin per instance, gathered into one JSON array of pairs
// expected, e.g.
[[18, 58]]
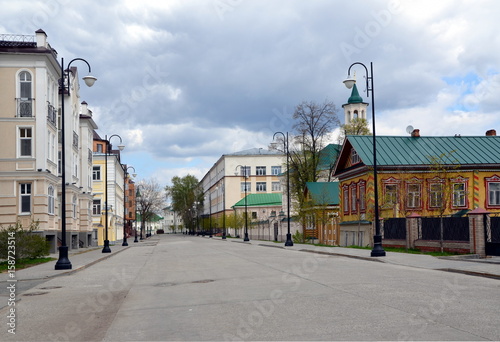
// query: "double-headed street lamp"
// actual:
[[63, 262], [245, 175], [286, 149], [106, 248], [377, 250], [125, 174]]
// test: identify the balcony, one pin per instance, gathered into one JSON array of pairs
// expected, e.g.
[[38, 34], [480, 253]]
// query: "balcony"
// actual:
[[25, 107], [51, 114], [75, 140]]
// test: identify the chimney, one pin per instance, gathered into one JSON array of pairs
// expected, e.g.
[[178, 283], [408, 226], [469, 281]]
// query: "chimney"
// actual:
[[41, 38], [415, 133], [491, 133]]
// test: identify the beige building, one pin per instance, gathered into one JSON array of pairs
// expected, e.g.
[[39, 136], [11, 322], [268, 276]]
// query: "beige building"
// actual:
[[30, 186], [224, 184]]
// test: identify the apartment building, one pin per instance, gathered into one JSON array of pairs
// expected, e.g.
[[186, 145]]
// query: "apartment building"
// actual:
[[30, 163], [234, 175]]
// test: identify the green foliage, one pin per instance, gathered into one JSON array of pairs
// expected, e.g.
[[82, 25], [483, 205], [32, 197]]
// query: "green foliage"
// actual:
[[298, 237], [28, 245], [187, 198]]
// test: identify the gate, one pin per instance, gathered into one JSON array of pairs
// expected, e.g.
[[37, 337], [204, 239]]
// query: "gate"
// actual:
[[395, 228], [492, 236]]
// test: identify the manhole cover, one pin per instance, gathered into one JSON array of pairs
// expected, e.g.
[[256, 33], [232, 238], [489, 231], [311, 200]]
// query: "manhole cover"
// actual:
[[35, 293], [50, 287], [202, 281]]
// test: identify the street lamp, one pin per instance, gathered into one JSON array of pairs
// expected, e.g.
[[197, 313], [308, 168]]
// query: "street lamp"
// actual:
[[245, 174], [210, 212], [286, 149], [125, 174], [63, 262], [223, 188], [377, 250], [138, 196], [106, 248]]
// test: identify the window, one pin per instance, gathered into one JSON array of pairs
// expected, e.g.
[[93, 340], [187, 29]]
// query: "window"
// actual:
[[96, 207], [260, 170], [276, 186], [275, 170], [362, 197], [99, 148], [390, 194], [24, 104], [459, 192], [345, 197], [493, 193], [254, 215], [436, 195], [96, 173], [74, 207], [50, 193], [246, 171], [354, 199], [354, 157], [261, 187], [25, 142], [413, 196], [248, 186], [25, 197]]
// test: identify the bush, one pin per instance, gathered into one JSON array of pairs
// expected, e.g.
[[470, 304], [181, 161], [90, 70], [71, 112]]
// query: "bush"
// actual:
[[298, 237], [28, 245], [160, 231]]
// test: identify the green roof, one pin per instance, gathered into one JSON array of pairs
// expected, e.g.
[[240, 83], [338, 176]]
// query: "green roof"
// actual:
[[254, 200], [324, 193], [328, 156], [406, 150], [355, 98]]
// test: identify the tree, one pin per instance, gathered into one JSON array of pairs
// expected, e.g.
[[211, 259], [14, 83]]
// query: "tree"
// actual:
[[187, 198], [441, 188], [314, 124], [150, 201], [357, 126]]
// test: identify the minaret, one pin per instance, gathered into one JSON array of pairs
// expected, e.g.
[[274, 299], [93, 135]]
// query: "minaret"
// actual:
[[355, 107]]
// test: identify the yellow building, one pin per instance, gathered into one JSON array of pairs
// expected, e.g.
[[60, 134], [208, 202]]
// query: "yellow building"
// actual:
[[428, 176]]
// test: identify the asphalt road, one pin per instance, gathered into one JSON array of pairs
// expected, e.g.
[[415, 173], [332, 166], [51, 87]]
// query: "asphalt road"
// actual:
[[192, 289]]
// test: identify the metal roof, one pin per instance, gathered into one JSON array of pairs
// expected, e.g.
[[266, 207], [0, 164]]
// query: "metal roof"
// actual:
[[254, 200], [459, 150], [324, 193]]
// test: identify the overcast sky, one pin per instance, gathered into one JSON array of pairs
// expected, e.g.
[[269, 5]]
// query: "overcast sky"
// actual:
[[183, 82]]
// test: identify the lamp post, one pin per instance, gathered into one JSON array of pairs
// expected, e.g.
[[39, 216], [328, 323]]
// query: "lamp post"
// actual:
[[63, 262], [106, 248], [377, 250], [289, 241], [138, 195], [210, 212], [125, 174], [245, 175], [223, 210]]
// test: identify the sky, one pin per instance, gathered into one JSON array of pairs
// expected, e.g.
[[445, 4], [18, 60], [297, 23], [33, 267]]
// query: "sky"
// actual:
[[186, 81]]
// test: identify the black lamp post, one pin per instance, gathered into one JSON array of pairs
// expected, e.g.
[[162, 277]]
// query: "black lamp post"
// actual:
[[210, 212], [63, 262], [377, 250], [125, 174], [138, 195], [289, 241], [245, 174], [223, 211], [106, 248]]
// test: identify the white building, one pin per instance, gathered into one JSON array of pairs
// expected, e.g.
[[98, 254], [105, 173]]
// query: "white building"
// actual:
[[30, 126]]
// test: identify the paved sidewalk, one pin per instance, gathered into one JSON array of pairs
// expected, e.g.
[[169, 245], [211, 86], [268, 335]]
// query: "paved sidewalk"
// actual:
[[488, 267], [80, 259]]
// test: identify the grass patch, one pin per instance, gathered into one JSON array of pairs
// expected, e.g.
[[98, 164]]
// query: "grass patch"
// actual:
[[409, 250], [24, 263]]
